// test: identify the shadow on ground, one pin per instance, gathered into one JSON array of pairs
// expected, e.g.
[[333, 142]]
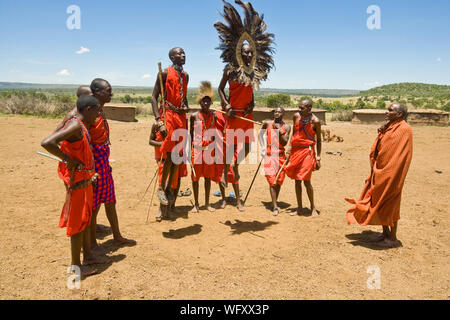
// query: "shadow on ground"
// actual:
[[183, 232], [366, 239], [240, 227]]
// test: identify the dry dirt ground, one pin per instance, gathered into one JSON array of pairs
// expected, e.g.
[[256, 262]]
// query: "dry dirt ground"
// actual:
[[226, 254]]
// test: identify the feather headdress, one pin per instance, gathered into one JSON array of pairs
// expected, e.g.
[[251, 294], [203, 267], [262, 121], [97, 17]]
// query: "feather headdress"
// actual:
[[234, 33], [205, 90]]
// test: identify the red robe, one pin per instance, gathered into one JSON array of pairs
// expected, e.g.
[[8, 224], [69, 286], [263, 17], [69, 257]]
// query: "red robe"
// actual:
[[221, 151], [241, 96], [275, 156], [175, 95], [158, 155], [302, 161], [203, 161], [79, 202], [390, 157], [99, 131]]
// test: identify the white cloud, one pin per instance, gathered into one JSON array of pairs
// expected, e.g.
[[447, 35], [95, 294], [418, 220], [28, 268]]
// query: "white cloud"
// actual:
[[438, 60], [146, 76], [83, 50], [63, 72], [372, 84]]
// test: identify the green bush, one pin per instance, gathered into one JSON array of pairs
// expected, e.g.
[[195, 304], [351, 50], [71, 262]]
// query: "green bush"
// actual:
[[381, 104], [278, 100]]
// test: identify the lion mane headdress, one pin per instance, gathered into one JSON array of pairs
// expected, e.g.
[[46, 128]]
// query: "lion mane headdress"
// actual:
[[205, 90], [234, 33]]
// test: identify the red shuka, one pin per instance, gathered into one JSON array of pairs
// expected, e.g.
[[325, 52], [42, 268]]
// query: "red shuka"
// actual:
[[80, 202], [175, 95], [390, 158], [221, 150], [241, 97], [99, 131], [160, 163], [275, 156], [203, 161], [303, 156]]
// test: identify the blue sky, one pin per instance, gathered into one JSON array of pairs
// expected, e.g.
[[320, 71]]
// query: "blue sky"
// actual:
[[319, 44]]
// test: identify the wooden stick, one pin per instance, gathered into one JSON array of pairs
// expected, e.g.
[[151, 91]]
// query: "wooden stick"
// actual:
[[253, 181], [161, 84], [242, 118], [288, 159], [147, 188], [50, 157], [153, 196]]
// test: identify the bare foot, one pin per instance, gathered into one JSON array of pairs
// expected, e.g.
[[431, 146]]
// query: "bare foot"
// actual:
[[387, 243], [124, 242], [85, 271], [378, 238], [94, 259], [223, 204], [94, 246], [298, 213], [210, 209], [276, 211], [240, 206], [196, 209], [314, 213]]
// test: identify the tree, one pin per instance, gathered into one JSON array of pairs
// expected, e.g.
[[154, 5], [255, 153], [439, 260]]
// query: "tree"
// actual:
[[278, 100], [381, 104], [360, 104]]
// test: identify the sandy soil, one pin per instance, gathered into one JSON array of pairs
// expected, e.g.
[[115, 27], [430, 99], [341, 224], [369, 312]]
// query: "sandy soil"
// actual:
[[227, 254]]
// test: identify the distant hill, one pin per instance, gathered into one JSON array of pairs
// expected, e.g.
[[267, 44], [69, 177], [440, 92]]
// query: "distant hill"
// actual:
[[66, 88], [331, 93], [410, 89], [41, 86]]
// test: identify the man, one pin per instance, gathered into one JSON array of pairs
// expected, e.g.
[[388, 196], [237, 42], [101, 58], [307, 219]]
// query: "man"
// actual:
[[390, 157], [203, 134], [82, 91], [175, 81], [239, 132], [156, 140], [302, 159], [221, 158], [104, 193], [277, 132], [78, 174]]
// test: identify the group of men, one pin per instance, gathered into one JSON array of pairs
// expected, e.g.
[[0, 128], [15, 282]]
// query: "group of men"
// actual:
[[219, 140], [82, 142]]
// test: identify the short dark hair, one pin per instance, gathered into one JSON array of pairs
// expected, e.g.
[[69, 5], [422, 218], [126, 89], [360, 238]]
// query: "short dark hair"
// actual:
[[98, 84], [86, 101]]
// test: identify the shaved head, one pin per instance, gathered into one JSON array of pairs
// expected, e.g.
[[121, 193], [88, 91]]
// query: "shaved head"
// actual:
[[84, 91], [174, 51], [307, 103], [98, 84]]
